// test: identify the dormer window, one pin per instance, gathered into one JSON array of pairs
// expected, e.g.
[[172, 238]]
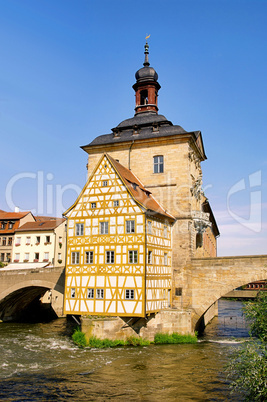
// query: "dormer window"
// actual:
[[10, 225], [158, 164]]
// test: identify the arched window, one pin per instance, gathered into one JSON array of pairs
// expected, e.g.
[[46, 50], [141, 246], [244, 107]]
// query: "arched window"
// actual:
[[144, 97], [158, 164]]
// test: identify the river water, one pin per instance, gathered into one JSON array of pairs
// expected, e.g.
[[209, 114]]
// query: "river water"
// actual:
[[39, 362]]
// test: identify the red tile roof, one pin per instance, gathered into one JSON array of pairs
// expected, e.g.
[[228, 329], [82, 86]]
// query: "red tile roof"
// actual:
[[49, 224], [138, 191], [12, 215]]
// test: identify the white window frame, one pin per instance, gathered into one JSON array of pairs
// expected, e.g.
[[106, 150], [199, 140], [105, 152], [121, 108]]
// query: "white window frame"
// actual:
[[27, 256], [133, 256], [89, 257], [158, 164], [28, 240], [165, 258], [46, 256], [17, 256], [99, 294], [105, 183], [110, 257], [116, 203], [75, 257], [130, 226], [104, 227], [90, 293], [129, 294], [79, 229]]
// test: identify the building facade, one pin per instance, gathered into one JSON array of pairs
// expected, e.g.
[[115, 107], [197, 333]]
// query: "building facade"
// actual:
[[9, 223], [119, 247], [42, 241]]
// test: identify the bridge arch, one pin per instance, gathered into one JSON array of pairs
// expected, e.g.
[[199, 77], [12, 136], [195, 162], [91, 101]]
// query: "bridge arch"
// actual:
[[31, 294], [211, 278]]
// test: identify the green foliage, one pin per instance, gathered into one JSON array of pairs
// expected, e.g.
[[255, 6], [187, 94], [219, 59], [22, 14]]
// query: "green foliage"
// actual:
[[2, 264], [78, 337], [248, 371], [136, 341], [257, 312], [248, 368], [161, 338]]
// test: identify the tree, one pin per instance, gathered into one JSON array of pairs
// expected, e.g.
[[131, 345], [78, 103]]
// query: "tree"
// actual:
[[248, 367]]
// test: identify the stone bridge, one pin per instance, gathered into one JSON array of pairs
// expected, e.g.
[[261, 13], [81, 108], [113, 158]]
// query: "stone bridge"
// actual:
[[205, 280], [22, 289]]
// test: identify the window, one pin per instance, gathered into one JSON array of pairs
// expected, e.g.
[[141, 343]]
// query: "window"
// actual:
[[130, 226], [8, 257], [2, 257], [165, 259], [133, 257], [103, 227], [93, 205], [28, 240], [72, 293], [47, 239], [38, 239], [36, 257], [144, 97], [129, 294], [79, 229], [46, 256], [149, 257], [59, 257], [105, 183], [90, 293], [178, 291], [99, 293], [149, 227], [158, 164], [110, 257], [75, 257], [17, 257], [89, 257], [199, 240], [26, 257], [10, 225], [3, 225], [18, 241], [165, 232], [116, 203], [4, 241]]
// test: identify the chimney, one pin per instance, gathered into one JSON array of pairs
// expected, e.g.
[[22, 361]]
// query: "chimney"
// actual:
[[16, 209]]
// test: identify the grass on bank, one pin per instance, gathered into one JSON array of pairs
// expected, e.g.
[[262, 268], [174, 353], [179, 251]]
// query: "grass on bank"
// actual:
[[79, 339]]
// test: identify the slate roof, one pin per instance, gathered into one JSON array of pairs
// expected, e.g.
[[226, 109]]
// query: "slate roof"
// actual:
[[49, 224], [145, 125]]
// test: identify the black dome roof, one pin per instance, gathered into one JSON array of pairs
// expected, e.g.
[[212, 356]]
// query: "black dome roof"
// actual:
[[146, 74]]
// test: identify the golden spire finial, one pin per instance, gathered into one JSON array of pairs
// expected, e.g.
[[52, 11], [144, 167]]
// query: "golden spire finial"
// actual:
[[148, 36]]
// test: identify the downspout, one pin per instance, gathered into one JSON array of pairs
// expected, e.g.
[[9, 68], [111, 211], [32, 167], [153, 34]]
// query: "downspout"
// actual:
[[129, 159]]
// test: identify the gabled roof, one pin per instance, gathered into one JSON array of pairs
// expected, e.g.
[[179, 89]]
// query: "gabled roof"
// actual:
[[135, 187], [41, 225], [12, 215]]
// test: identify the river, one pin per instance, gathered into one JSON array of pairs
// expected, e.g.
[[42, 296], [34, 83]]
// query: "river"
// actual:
[[39, 362]]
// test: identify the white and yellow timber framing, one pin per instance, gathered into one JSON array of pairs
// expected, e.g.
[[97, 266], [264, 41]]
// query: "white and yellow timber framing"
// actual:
[[108, 270]]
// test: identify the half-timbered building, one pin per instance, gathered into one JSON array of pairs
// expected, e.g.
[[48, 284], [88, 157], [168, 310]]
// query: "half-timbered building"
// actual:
[[119, 246]]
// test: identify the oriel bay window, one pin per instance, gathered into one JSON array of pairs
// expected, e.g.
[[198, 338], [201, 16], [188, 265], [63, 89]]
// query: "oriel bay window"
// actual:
[[158, 164], [75, 257], [133, 257]]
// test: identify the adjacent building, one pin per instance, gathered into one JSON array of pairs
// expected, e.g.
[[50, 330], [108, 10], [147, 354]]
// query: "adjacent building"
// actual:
[[41, 241], [9, 223]]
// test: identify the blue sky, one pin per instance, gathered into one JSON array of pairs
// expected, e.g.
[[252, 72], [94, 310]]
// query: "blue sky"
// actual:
[[66, 75]]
